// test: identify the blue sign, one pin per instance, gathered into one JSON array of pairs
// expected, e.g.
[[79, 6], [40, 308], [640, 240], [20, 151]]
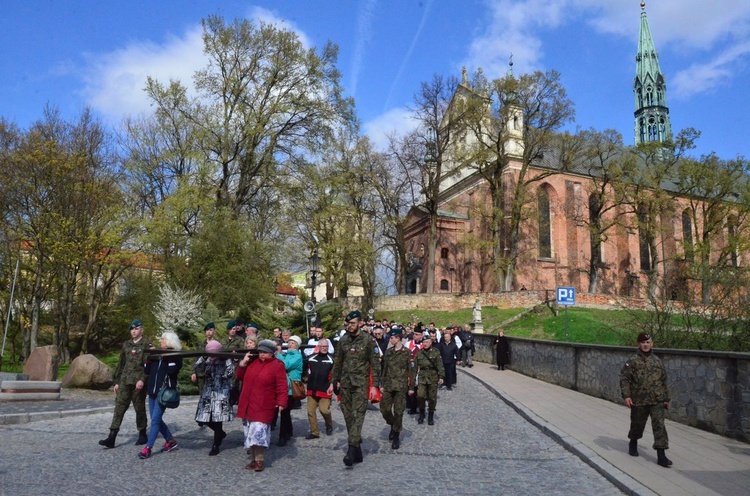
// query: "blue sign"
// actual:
[[566, 296]]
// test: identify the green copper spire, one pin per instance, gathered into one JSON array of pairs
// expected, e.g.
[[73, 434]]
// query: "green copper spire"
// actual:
[[651, 111]]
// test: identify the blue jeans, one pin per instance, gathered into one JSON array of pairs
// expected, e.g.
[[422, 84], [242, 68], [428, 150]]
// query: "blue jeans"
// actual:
[[157, 424]]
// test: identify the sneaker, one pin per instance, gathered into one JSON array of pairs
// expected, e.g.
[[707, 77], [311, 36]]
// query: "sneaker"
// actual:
[[169, 445], [145, 453]]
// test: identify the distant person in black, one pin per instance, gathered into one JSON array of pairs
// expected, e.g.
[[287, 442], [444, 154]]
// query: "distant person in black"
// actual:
[[502, 350]]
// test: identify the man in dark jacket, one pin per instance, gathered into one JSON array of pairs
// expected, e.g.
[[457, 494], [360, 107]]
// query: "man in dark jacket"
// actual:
[[318, 370], [467, 346], [130, 385], [643, 383]]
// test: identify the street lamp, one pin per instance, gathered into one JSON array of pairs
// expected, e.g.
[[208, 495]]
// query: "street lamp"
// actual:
[[314, 261]]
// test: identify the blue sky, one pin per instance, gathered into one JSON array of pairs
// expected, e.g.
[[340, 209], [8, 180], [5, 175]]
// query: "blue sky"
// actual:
[[97, 53]]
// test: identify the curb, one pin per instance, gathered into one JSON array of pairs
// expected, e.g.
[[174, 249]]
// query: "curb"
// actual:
[[620, 479]]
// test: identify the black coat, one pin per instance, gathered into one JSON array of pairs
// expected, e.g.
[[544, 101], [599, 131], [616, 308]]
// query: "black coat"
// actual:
[[502, 350], [448, 351], [158, 369]]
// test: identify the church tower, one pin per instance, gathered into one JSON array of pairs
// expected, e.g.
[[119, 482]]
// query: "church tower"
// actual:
[[651, 111]]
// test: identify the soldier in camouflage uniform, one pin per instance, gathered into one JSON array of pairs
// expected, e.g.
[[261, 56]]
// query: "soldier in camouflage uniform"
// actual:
[[130, 385], [643, 382], [233, 340], [430, 373], [397, 379], [354, 364]]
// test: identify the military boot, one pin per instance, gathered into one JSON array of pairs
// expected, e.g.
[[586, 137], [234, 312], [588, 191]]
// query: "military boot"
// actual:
[[420, 419], [350, 455], [396, 444], [662, 459], [633, 447], [110, 441], [431, 418], [142, 437], [358, 454], [391, 434]]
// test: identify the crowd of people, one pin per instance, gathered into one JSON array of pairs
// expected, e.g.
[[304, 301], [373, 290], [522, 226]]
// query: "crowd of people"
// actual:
[[399, 366]]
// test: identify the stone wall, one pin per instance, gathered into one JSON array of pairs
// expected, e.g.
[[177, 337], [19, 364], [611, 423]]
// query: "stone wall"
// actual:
[[509, 299], [709, 389]]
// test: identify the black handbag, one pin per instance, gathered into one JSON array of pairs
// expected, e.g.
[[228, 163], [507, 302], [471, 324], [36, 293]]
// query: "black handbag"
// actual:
[[168, 397]]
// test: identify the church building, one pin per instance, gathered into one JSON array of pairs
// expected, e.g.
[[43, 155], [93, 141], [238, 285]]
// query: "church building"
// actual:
[[557, 244]]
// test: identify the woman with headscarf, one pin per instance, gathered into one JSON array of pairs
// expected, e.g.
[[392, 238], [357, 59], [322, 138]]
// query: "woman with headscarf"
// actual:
[[214, 406], [162, 372], [264, 392], [292, 359]]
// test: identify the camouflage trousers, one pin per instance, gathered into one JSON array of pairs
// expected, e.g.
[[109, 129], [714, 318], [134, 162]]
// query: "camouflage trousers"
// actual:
[[354, 406], [638, 418], [392, 406], [126, 394], [428, 393]]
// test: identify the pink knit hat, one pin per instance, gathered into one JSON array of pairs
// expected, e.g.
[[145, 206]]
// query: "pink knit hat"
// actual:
[[213, 346]]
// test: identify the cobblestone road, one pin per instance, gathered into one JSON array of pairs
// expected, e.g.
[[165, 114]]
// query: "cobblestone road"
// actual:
[[478, 446]]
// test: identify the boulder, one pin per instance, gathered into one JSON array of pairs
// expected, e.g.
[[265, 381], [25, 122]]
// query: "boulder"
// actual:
[[42, 364], [87, 372]]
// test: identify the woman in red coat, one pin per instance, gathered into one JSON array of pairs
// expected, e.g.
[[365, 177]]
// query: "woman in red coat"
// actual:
[[264, 392]]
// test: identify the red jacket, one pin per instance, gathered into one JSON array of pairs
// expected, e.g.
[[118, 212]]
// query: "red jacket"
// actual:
[[264, 389]]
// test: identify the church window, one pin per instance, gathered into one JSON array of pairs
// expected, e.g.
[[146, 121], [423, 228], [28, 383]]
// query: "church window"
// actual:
[[732, 239], [595, 231], [545, 224], [444, 285], [515, 122], [687, 235], [444, 253], [644, 244]]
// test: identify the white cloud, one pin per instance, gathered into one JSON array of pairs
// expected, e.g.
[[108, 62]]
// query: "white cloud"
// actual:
[[114, 82], [395, 121], [515, 27], [699, 78], [718, 31]]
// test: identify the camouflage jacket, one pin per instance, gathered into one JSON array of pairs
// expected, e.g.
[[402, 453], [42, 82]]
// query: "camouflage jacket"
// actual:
[[429, 366], [233, 343], [130, 367], [398, 370], [644, 380], [355, 361]]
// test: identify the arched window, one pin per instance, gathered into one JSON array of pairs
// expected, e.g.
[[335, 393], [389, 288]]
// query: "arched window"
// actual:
[[643, 240], [687, 235], [595, 232], [444, 285], [545, 224], [732, 239], [444, 253]]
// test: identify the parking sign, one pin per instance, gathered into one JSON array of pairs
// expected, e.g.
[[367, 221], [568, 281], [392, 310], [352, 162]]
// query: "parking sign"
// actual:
[[566, 295]]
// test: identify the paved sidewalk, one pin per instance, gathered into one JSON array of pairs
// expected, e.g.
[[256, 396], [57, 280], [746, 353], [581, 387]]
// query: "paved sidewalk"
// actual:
[[596, 430]]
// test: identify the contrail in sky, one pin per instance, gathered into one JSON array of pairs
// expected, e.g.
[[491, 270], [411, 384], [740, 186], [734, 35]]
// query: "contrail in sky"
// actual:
[[364, 33], [427, 6]]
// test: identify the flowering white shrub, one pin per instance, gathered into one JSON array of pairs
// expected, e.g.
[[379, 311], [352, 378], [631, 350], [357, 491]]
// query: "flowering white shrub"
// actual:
[[177, 308]]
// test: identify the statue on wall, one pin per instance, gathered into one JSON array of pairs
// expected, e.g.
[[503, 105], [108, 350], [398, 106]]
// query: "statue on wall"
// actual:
[[477, 311]]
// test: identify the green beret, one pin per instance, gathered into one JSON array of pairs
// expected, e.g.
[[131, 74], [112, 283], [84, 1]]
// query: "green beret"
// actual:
[[354, 314], [253, 325], [136, 323], [231, 324], [395, 331], [208, 326]]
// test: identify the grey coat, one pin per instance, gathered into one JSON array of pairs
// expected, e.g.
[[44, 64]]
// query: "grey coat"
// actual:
[[213, 404]]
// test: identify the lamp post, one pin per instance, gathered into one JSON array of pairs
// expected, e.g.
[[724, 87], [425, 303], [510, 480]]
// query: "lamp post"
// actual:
[[314, 261]]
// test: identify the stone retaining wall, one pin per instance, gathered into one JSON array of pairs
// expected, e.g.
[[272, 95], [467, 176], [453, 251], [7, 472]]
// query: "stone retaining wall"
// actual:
[[509, 299], [709, 389]]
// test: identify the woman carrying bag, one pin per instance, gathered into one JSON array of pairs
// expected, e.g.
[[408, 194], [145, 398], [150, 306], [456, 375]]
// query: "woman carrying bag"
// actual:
[[292, 359], [162, 373]]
